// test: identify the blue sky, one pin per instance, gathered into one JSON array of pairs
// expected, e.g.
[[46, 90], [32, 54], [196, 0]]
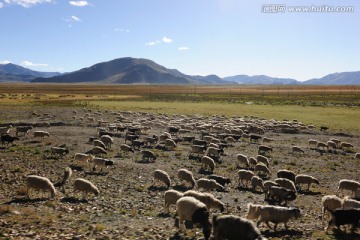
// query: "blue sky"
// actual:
[[223, 37]]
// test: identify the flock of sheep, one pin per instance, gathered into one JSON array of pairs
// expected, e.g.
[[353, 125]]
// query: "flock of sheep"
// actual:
[[209, 139]]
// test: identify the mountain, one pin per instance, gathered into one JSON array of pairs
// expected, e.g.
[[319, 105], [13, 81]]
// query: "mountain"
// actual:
[[260, 79], [343, 78], [11, 72], [131, 71]]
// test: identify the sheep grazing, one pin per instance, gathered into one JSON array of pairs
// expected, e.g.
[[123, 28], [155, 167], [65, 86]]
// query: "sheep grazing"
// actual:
[[41, 134], [346, 184], [232, 227], [102, 162], [312, 143], [197, 149], [331, 144], [264, 149], [252, 162], [40, 183], [187, 176], [267, 185], [7, 138], [85, 186], [170, 144], [263, 169], [242, 159], [257, 182], [191, 209], [83, 158], [208, 199], [347, 203], [171, 197], [296, 149], [97, 151], [276, 215], [286, 183], [148, 155], [107, 140], [67, 175], [346, 145], [262, 159], [23, 129], [162, 176], [126, 148], [59, 151], [357, 156], [208, 162], [151, 140], [268, 140], [284, 173], [253, 211], [305, 179], [329, 203], [212, 151], [245, 175], [209, 184], [344, 216], [280, 195], [98, 143], [220, 179], [322, 145], [5, 130]]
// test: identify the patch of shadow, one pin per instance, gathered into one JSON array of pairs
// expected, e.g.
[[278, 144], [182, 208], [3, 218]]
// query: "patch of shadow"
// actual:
[[282, 232], [341, 134], [343, 235], [164, 215], [2, 148], [205, 172], [144, 161], [182, 188], [193, 157], [76, 168], [306, 192], [73, 200], [160, 147], [157, 188], [256, 191], [59, 184], [26, 200], [148, 147], [241, 188], [32, 142]]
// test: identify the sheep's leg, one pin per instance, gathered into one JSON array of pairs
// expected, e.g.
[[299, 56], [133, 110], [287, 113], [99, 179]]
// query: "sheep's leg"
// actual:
[[267, 224]]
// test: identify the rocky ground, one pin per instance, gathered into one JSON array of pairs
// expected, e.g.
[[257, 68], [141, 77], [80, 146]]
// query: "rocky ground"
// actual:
[[129, 206]]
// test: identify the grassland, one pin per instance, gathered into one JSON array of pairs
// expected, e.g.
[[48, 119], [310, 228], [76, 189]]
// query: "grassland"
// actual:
[[337, 107]]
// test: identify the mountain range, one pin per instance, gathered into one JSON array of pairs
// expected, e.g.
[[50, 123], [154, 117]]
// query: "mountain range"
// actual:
[[143, 71]]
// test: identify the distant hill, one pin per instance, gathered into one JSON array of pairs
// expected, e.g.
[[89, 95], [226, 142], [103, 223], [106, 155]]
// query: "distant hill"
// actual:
[[131, 71], [260, 79], [343, 78], [12, 72]]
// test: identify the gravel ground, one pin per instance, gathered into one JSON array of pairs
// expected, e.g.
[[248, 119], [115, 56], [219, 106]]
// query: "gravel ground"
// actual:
[[129, 206]]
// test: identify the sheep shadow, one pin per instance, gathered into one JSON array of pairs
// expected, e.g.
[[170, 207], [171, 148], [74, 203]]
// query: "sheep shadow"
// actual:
[[283, 232], [177, 236], [182, 188], [76, 168], [154, 188], [164, 215], [193, 157], [245, 189], [94, 173], [143, 161], [205, 172], [73, 200], [310, 193], [25, 200], [343, 235]]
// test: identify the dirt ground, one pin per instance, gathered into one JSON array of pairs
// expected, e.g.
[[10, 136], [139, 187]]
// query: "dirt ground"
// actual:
[[129, 206]]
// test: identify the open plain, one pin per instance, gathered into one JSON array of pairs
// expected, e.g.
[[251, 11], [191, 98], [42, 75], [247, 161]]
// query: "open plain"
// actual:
[[129, 205]]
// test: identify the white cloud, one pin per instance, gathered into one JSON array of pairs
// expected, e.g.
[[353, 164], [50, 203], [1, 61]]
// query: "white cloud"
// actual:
[[78, 3], [152, 43], [76, 19], [4, 62], [183, 48], [121, 30], [166, 40], [27, 3], [1, 4], [30, 64]]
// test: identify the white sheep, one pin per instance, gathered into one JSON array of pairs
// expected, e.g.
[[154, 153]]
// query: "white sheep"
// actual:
[[329, 202], [41, 134], [211, 151], [171, 197], [126, 148], [191, 209], [257, 182], [305, 179], [347, 203], [242, 159], [162, 176], [97, 151], [207, 198], [209, 184], [261, 168], [83, 158], [234, 227], [187, 176], [322, 145], [288, 174], [346, 184], [262, 159], [197, 149], [245, 175], [59, 151], [346, 145], [297, 149], [107, 140], [267, 185], [252, 162], [208, 162], [286, 183], [312, 142], [40, 183], [331, 144], [277, 214], [149, 155], [170, 143], [85, 186], [102, 162], [98, 143], [357, 156], [253, 211]]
